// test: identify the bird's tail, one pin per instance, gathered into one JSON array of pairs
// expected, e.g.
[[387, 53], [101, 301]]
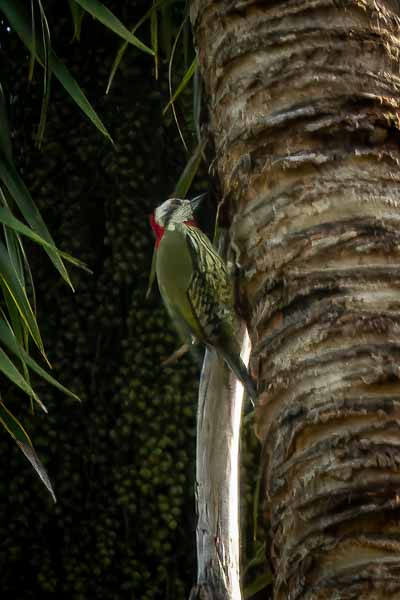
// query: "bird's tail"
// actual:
[[240, 370]]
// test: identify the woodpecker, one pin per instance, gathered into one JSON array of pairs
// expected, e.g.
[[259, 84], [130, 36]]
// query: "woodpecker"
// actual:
[[195, 283]]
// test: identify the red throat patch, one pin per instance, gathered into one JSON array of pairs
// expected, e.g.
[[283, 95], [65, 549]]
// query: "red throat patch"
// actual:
[[158, 229]]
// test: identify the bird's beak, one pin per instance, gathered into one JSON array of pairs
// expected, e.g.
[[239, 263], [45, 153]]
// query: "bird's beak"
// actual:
[[196, 201]]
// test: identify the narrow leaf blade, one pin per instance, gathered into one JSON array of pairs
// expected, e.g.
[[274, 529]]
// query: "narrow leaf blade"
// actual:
[[72, 87], [105, 16], [20, 24], [154, 38], [184, 82], [33, 458], [189, 172], [8, 219], [77, 14], [20, 436], [9, 279], [8, 338], [46, 44], [124, 46], [21, 196], [8, 368]]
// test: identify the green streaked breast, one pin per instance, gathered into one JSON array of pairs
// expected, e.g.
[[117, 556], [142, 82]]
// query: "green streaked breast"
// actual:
[[174, 273]]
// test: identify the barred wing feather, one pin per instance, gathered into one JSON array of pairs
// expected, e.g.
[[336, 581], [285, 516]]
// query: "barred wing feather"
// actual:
[[210, 291]]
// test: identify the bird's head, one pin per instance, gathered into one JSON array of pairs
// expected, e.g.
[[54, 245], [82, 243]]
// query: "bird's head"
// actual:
[[171, 212]]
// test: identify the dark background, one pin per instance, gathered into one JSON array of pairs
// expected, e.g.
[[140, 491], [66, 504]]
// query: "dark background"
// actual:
[[122, 462]]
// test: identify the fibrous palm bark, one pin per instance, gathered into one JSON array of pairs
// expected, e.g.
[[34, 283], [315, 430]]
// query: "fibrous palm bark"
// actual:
[[304, 111]]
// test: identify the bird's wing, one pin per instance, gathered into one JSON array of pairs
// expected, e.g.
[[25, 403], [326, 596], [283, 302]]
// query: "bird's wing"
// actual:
[[210, 291]]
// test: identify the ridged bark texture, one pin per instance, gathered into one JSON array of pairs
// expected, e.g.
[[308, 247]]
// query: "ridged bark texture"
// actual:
[[304, 111]]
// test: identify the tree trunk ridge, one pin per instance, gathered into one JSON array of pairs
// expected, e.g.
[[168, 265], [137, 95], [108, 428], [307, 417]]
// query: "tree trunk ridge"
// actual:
[[304, 109]]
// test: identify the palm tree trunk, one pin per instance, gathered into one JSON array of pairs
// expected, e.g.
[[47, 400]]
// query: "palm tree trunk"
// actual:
[[304, 111]]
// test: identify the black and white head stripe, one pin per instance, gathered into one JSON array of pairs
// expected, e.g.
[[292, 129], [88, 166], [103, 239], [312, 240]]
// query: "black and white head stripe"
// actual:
[[173, 210]]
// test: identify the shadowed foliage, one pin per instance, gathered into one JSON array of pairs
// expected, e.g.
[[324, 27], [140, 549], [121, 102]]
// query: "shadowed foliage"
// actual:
[[122, 461]]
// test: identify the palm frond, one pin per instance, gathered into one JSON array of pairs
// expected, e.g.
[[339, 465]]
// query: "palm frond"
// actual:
[[105, 16], [18, 433], [77, 14], [157, 5], [16, 16]]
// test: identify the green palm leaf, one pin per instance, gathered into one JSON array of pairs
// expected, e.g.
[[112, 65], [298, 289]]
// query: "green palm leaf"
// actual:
[[46, 44], [154, 38], [189, 172], [18, 433], [185, 80], [17, 257], [8, 338], [77, 14], [20, 24], [8, 368], [105, 16], [8, 219], [21, 196], [14, 288], [120, 54]]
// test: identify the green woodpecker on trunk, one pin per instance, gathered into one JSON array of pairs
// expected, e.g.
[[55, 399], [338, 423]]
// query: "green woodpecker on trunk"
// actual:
[[195, 285]]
